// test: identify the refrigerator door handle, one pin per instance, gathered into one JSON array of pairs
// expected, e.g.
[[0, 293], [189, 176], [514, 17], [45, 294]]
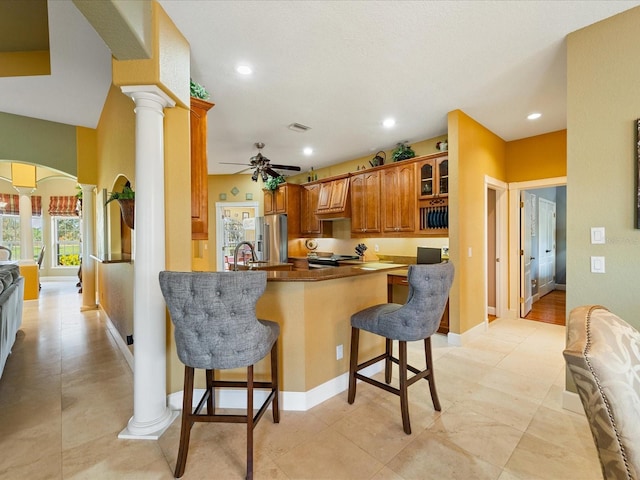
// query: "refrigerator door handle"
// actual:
[[266, 238]]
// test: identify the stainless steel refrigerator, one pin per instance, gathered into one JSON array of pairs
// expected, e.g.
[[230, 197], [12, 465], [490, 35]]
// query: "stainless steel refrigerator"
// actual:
[[271, 238]]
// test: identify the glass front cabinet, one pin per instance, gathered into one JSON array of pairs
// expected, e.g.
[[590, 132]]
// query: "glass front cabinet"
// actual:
[[433, 195]]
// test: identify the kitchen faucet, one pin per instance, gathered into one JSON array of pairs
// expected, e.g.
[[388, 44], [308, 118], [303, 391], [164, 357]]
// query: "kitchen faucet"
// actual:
[[235, 254]]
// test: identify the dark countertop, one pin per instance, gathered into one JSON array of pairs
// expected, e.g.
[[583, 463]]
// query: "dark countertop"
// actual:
[[331, 273], [113, 258]]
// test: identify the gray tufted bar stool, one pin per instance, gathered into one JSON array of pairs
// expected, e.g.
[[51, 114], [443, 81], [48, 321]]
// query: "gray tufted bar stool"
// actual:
[[417, 319], [216, 328]]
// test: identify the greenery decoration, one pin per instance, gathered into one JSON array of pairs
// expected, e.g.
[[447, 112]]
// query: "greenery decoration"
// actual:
[[126, 194], [272, 183], [198, 91], [402, 152]]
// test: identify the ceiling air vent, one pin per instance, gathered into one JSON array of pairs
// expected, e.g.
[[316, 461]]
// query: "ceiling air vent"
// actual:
[[298, 127]]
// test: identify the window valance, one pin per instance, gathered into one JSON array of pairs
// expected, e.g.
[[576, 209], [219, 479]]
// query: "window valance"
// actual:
[[63, 206], [12, 204]]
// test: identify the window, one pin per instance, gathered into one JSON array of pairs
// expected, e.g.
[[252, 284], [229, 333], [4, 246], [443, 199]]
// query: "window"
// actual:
[[11, 234], [66, 239]]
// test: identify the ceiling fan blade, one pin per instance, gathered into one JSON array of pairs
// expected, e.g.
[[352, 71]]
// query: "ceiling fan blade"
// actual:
[[241, 171], [286, 167], [272, 172], [228, 163]]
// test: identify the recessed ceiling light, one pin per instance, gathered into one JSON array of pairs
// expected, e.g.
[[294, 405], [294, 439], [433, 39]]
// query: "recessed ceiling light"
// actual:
[[307, 151], [388, 122], [244, 70], [534, 116]]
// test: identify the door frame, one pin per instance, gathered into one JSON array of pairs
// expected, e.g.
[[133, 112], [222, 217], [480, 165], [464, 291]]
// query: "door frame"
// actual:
[[501, 189], [514, 234], [220, 207]]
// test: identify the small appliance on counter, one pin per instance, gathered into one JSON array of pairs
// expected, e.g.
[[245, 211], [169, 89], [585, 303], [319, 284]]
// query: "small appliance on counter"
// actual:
[[429, 255]]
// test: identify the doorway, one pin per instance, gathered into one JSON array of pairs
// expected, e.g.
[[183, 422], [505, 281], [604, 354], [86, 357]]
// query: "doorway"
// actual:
[[538, 249], [495, 266], [235, 223]]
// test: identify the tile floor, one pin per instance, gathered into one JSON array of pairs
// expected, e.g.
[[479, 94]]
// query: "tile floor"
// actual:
[[66, 393]]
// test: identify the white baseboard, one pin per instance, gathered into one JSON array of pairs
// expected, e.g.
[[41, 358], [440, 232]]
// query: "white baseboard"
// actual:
[[459, 339], [561, 286], [571, 401], [294, 401], [122, 345], [491, 310]]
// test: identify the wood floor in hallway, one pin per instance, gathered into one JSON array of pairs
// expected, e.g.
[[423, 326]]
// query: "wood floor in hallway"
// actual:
[[550, 309]]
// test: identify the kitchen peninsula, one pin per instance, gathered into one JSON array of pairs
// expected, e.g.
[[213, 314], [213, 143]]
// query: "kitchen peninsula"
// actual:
[[314, 308]]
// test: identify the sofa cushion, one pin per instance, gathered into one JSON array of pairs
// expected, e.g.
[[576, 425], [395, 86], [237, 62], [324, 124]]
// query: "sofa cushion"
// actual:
[[6, 278], [603, 356]]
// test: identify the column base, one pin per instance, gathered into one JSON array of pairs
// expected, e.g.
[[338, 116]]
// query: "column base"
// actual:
[[152, 431], [85, 308]]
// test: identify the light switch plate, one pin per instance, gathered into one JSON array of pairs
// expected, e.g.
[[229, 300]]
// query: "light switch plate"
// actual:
[[597, 264], [597, 235]]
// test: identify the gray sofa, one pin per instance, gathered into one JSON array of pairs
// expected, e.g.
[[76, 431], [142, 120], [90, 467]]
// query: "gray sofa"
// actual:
[[11, 302]]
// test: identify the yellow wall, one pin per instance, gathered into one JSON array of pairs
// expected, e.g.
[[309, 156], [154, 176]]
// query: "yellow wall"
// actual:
[[115, 153], [602, 107], [533, 158], [474, 152], [86, 145], [167, 66]]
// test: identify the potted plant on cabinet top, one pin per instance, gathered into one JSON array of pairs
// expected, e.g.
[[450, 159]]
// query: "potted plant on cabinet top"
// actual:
[[126, 200], [198, 91], [273, 183], [402, 152]]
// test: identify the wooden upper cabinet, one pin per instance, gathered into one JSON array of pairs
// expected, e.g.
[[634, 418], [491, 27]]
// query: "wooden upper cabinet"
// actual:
[[286, 200], [399, 199], [333, 198], [434, 177], [199, 172], [365, 202], [310, 224]]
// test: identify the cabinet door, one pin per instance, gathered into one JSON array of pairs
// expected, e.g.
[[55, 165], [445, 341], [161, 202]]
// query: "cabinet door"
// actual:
[[399, 199], [427, 173], [269, 202], [280, 199], [443, 176], [365, 203], [199, 175], [339, 189], [324, 197], [309, 222]]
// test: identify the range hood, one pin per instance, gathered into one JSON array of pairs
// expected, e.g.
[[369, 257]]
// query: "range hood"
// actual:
[[334, 202]]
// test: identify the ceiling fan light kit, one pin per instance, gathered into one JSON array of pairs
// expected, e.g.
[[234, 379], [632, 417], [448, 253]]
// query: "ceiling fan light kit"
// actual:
[[263, 167]]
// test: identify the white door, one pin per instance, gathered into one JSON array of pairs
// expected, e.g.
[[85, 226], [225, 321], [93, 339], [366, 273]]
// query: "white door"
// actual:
[[526, 224], [547, 246]]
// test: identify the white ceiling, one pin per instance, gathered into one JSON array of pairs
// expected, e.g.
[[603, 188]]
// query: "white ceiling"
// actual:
[[339, 67]]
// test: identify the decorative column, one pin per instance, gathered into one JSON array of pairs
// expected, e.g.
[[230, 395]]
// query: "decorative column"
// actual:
[[26, 231], [88, 263], [151, 415]]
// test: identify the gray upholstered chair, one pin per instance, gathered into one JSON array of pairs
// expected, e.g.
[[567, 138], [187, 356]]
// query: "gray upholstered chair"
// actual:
[[603, 356], [5, 253], [214, 315], [417, 319]]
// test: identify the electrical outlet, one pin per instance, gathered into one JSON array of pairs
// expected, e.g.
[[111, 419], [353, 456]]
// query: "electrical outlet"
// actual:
[[339, 352], [376, 248]]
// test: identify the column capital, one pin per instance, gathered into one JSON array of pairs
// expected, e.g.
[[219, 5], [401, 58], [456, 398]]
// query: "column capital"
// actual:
[[152, 93], [25, 190]]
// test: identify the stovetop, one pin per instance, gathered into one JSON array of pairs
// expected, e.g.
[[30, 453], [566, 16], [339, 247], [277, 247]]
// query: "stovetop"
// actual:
[[332, 260]]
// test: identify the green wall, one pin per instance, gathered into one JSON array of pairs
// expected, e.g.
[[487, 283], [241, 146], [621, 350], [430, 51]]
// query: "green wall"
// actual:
[[602, 106], [40, 142]]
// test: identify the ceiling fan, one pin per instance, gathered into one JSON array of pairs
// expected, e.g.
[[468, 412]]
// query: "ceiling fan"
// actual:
[[263, 166]]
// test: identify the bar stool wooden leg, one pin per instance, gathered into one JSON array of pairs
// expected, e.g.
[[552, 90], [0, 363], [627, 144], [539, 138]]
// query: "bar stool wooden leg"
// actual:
[[250, 422], [430, 377], [404, 398], [211, 400], [387, 360], [187, 422], [275, 405], [353, 364]]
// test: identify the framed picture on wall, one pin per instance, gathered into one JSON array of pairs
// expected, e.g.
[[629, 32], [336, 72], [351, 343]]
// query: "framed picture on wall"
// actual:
[[637, 174], [245, 215]]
